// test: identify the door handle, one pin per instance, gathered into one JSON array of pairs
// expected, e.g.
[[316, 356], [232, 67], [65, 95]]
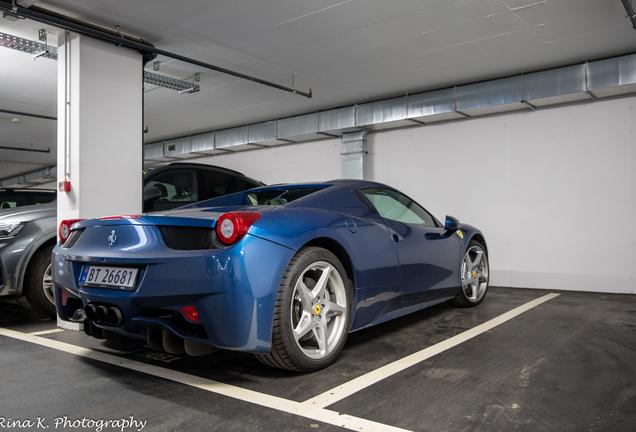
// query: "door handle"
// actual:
[[395, 236]]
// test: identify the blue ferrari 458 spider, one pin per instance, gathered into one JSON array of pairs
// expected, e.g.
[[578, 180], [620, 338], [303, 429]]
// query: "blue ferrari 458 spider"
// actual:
[[284, 272]]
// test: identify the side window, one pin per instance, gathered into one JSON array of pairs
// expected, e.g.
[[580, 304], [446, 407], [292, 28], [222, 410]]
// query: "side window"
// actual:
[[176, 186], [218, 184], [42, 198], [18, 199], [393, 205]]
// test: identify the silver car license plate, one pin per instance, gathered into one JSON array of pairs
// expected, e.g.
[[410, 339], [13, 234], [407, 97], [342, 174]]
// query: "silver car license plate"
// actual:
[[109, 277]]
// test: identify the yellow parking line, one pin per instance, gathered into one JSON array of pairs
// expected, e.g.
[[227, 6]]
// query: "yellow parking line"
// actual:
[[273, 402], [347, 389]]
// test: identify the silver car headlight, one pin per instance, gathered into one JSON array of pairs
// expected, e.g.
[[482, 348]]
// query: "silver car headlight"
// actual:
[[12, 229]]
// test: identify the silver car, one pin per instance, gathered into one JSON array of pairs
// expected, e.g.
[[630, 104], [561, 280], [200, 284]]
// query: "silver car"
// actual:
[[27, 237], [28, 233]]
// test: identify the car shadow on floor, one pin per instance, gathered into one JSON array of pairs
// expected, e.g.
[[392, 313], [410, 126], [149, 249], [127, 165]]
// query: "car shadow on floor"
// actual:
[[19, 314]]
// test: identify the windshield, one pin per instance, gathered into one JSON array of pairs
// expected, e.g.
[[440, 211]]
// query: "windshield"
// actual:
[[278, 196]]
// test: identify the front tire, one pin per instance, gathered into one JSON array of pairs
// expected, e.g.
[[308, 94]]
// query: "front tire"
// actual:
[[475, 273], [38, 284], [312, 315]]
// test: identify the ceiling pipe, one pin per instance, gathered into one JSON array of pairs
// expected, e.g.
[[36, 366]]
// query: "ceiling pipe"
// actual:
[[24, 114], [26, 149], [629, 8], [147, 49], [52, 18]]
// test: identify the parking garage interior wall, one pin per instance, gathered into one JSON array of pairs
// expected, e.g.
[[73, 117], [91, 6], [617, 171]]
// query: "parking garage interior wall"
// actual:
[[553, 190], [311, 161]]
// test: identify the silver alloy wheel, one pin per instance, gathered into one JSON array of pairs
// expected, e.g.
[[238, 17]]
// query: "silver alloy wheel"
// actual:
[[47, 284], [319, 310], [474, 273]]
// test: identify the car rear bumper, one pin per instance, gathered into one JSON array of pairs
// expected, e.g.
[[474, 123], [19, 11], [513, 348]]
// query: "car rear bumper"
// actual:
[[233, 289]]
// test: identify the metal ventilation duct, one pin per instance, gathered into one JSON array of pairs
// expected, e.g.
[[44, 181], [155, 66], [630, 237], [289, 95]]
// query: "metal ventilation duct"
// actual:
[[556, 86], [235, 138], [300, 128], [202, 144], [334, 123], [385, 114], [264, 134], [613, 76], [491, 96], [433, 106], [605, 78]]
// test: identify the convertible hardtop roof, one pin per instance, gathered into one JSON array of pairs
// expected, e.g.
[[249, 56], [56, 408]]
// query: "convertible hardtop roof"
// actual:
[[29, 190], [195, 165], [350, 183], [333, 193]]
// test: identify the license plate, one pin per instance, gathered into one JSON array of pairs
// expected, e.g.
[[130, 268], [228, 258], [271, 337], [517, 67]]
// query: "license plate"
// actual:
[[109, 277]]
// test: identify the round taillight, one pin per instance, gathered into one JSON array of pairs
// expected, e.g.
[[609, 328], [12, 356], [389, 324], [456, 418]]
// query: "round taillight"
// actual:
[[232, 226], [64, 231]]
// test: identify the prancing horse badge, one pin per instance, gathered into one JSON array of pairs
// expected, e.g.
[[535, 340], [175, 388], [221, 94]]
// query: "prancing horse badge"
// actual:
[[112, 238]]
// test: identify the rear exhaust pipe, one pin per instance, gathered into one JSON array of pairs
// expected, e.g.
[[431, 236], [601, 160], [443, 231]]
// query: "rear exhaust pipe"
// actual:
[[101, 313], [104, 314], [114, 316], [91, 312]]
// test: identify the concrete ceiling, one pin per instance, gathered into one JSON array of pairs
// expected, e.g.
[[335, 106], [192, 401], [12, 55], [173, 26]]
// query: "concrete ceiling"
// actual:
[[346, 51]]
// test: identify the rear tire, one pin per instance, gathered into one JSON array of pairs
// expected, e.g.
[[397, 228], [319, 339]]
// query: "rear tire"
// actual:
[[312, 315], [38, 285], [474, 273]]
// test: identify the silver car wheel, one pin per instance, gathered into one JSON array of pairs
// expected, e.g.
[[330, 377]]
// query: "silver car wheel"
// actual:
[[47, 285], [319, 310], [474, 273]]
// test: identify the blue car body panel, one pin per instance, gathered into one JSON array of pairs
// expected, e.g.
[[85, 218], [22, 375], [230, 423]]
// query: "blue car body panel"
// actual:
[[395, 268]]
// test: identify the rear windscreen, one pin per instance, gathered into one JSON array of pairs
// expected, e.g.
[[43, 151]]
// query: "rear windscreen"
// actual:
[[280, 196], [17, 199]]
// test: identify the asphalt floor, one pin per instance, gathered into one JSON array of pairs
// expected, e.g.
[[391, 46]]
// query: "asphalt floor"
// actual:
[[567, 363]]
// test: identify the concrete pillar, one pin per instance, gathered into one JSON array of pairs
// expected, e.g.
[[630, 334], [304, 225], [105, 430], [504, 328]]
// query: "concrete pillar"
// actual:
[[99, 145]]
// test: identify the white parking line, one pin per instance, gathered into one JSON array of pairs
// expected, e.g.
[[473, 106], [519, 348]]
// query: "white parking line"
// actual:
[[273, 402], [336, 394], [44, 332]]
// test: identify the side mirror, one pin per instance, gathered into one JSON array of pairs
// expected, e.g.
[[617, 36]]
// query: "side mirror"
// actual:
[[452, 223], [151, 194]]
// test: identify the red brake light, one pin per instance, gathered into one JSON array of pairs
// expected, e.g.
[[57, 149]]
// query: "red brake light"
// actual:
[[232, 226], [119, 217], [65, 228], [190, 313]]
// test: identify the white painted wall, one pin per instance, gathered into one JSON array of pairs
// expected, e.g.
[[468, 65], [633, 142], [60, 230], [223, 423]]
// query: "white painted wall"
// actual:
[[314, 161], [554, 191]]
